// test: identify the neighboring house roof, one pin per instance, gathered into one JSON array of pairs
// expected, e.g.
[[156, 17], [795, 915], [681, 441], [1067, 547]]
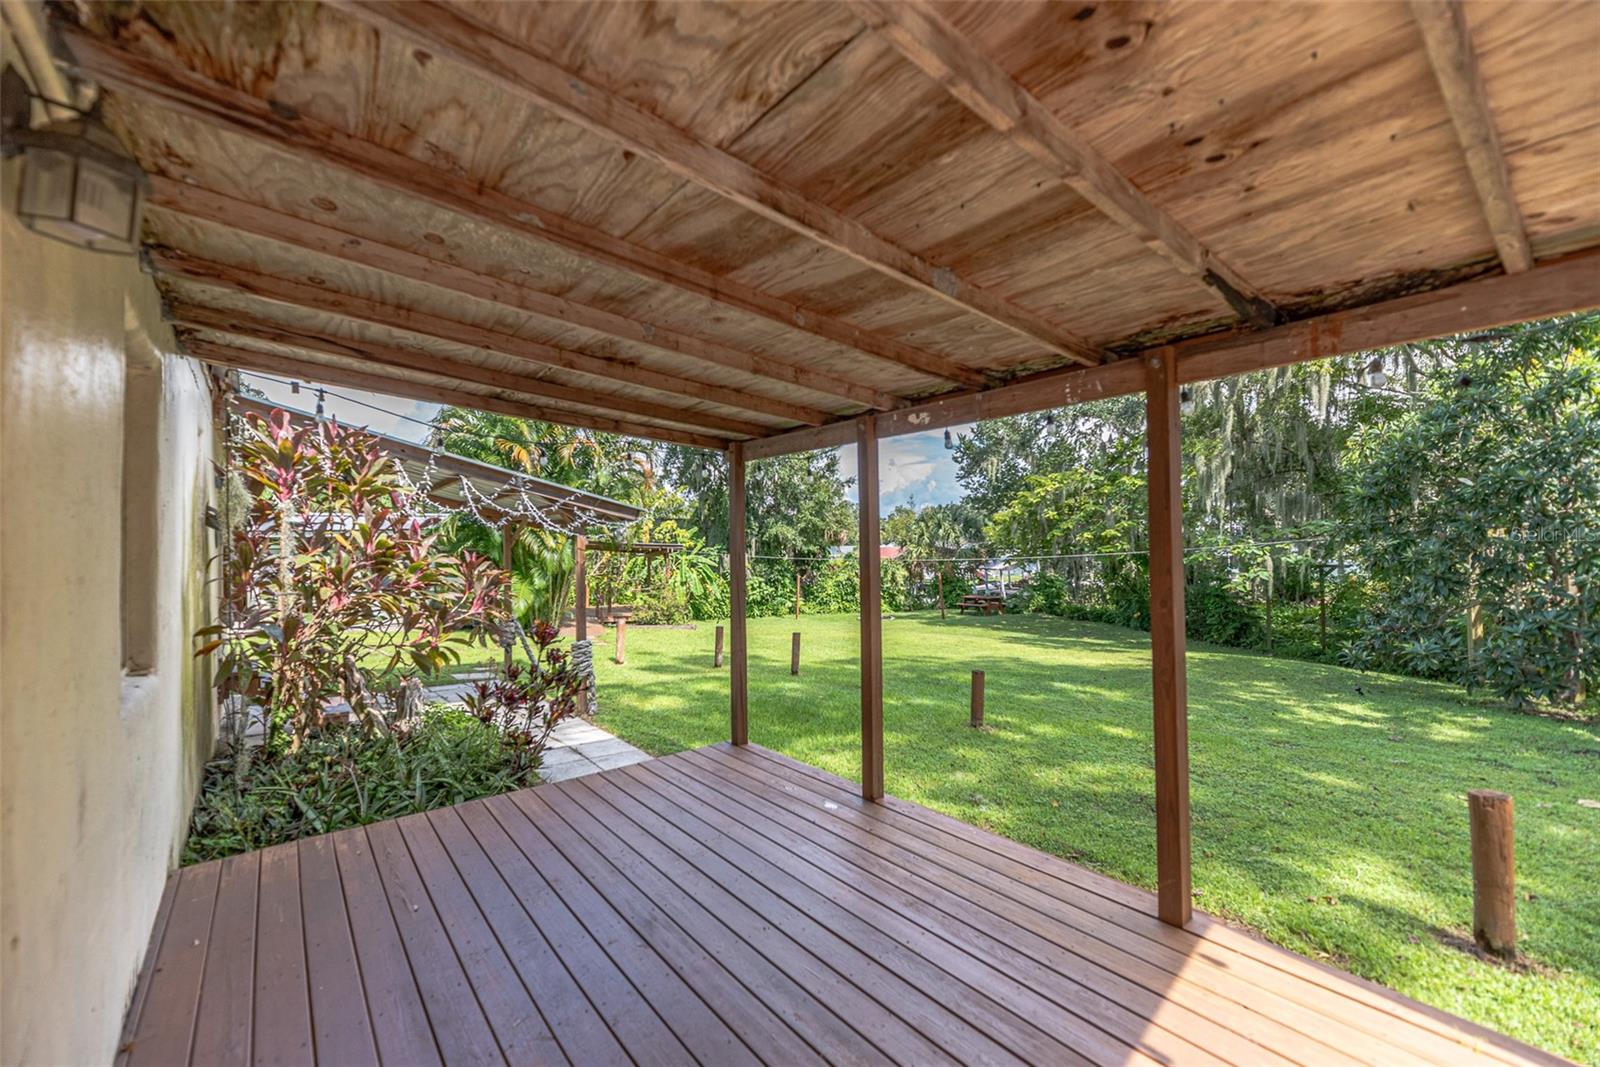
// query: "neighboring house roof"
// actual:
[[451, 471]]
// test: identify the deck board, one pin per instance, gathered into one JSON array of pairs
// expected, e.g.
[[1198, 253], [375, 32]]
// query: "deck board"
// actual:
[[729, 906]]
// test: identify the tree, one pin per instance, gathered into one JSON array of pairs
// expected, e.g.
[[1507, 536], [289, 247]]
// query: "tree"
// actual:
[[542, 562], [1487, 495], [795, 505]]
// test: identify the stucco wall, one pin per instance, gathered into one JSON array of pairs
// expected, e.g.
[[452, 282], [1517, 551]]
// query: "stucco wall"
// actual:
[[98, 767]]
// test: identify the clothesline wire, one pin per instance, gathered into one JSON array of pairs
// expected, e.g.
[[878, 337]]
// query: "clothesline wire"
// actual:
[[1199, 550]]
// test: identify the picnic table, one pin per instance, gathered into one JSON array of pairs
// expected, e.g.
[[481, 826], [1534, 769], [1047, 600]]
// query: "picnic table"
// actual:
[[987, 603]]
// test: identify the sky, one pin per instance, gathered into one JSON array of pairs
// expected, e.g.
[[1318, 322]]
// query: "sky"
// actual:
[[915, 467]]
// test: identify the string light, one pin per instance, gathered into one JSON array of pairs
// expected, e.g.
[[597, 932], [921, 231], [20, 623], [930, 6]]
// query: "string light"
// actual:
[[1186, 401], [1373, 375]]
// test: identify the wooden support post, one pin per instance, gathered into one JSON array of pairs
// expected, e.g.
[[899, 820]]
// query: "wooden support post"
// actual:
[[794, 653], [1494, 872], [622, 638], [716, 656], [580, 578], [508, 539], [977, 700], [940, 573], [797, 593], [871, 609], [1167, 639], [738, 678]]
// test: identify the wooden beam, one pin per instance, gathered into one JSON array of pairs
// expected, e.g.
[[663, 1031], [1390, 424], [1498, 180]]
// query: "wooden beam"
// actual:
[[580, 588], [1455, 63], [870, 565], [194, 202], [399, 317], [930, 42], [245, 324], [1170, 687], [447, 31], [1557, 287], [250, 359], [508, 540], [283, 128], [738, 675]]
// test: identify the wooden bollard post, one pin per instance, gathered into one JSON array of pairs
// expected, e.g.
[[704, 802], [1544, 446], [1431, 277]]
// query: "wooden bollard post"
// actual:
[[794, 653], [716, 657], [977, 699], [622, 638], [1494, 872]]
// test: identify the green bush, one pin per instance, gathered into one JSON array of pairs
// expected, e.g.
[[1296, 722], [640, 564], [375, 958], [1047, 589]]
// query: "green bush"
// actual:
[[341, 778]]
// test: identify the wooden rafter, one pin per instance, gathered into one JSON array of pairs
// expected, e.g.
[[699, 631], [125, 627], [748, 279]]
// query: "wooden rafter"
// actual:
[[284, 129], [249, 359], [260, 328], [1449, 46], [394, 316], [445, 30], [944, 53], [1557, 287], [195, 202]]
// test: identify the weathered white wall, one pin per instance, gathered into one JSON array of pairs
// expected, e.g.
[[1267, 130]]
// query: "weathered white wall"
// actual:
[[98, 768]]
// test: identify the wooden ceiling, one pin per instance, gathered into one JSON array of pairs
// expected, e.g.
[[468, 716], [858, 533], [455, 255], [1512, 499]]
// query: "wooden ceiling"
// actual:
[[711, 222]]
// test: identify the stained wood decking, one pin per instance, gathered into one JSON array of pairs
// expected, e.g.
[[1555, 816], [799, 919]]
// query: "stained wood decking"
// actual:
[[727, 906]]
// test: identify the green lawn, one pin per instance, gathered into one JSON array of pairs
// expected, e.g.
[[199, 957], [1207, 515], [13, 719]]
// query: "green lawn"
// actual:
[[1330, 818]]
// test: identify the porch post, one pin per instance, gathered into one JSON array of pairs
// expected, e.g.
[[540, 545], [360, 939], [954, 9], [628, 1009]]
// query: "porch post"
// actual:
[[508, 538], [1164, 440], [738, 678], [580, 578], [870, 566]]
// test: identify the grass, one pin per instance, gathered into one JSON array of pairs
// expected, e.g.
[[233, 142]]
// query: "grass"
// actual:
[[1329, 806]]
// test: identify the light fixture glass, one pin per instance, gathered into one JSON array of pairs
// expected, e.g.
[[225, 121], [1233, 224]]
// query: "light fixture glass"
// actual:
[[78, 184], [1373, 375], [1185, 401]]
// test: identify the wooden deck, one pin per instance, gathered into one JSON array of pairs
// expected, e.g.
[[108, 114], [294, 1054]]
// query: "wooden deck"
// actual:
[[727, 906]]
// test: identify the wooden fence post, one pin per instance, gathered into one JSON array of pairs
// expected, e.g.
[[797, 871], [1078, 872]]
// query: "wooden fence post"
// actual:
[[716, 657], [622, 638], [794, 654], [1322, 599], [797, 593], [977, 699], [940, 573], [1494, 872]]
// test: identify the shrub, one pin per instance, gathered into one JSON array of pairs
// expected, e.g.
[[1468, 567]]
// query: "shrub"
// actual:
[[342, 777], [330, 583]]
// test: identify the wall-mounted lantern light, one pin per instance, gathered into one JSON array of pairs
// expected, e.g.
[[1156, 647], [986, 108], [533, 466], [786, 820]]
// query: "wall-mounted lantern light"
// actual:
[[78, 184]]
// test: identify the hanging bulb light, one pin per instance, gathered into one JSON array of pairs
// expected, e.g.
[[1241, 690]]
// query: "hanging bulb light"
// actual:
[[1373, 375], [1186, 401], [322, 394], [949, 442], [294, 387]]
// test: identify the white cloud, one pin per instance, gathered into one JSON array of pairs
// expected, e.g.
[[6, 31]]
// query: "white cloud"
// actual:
[[384, 414], [914, 467]]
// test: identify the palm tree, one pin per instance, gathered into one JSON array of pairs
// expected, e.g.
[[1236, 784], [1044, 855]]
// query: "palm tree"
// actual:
[[541, 561]]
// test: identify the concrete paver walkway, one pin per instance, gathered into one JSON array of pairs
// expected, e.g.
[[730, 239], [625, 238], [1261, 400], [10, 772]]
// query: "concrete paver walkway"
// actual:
[[576, 747]]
